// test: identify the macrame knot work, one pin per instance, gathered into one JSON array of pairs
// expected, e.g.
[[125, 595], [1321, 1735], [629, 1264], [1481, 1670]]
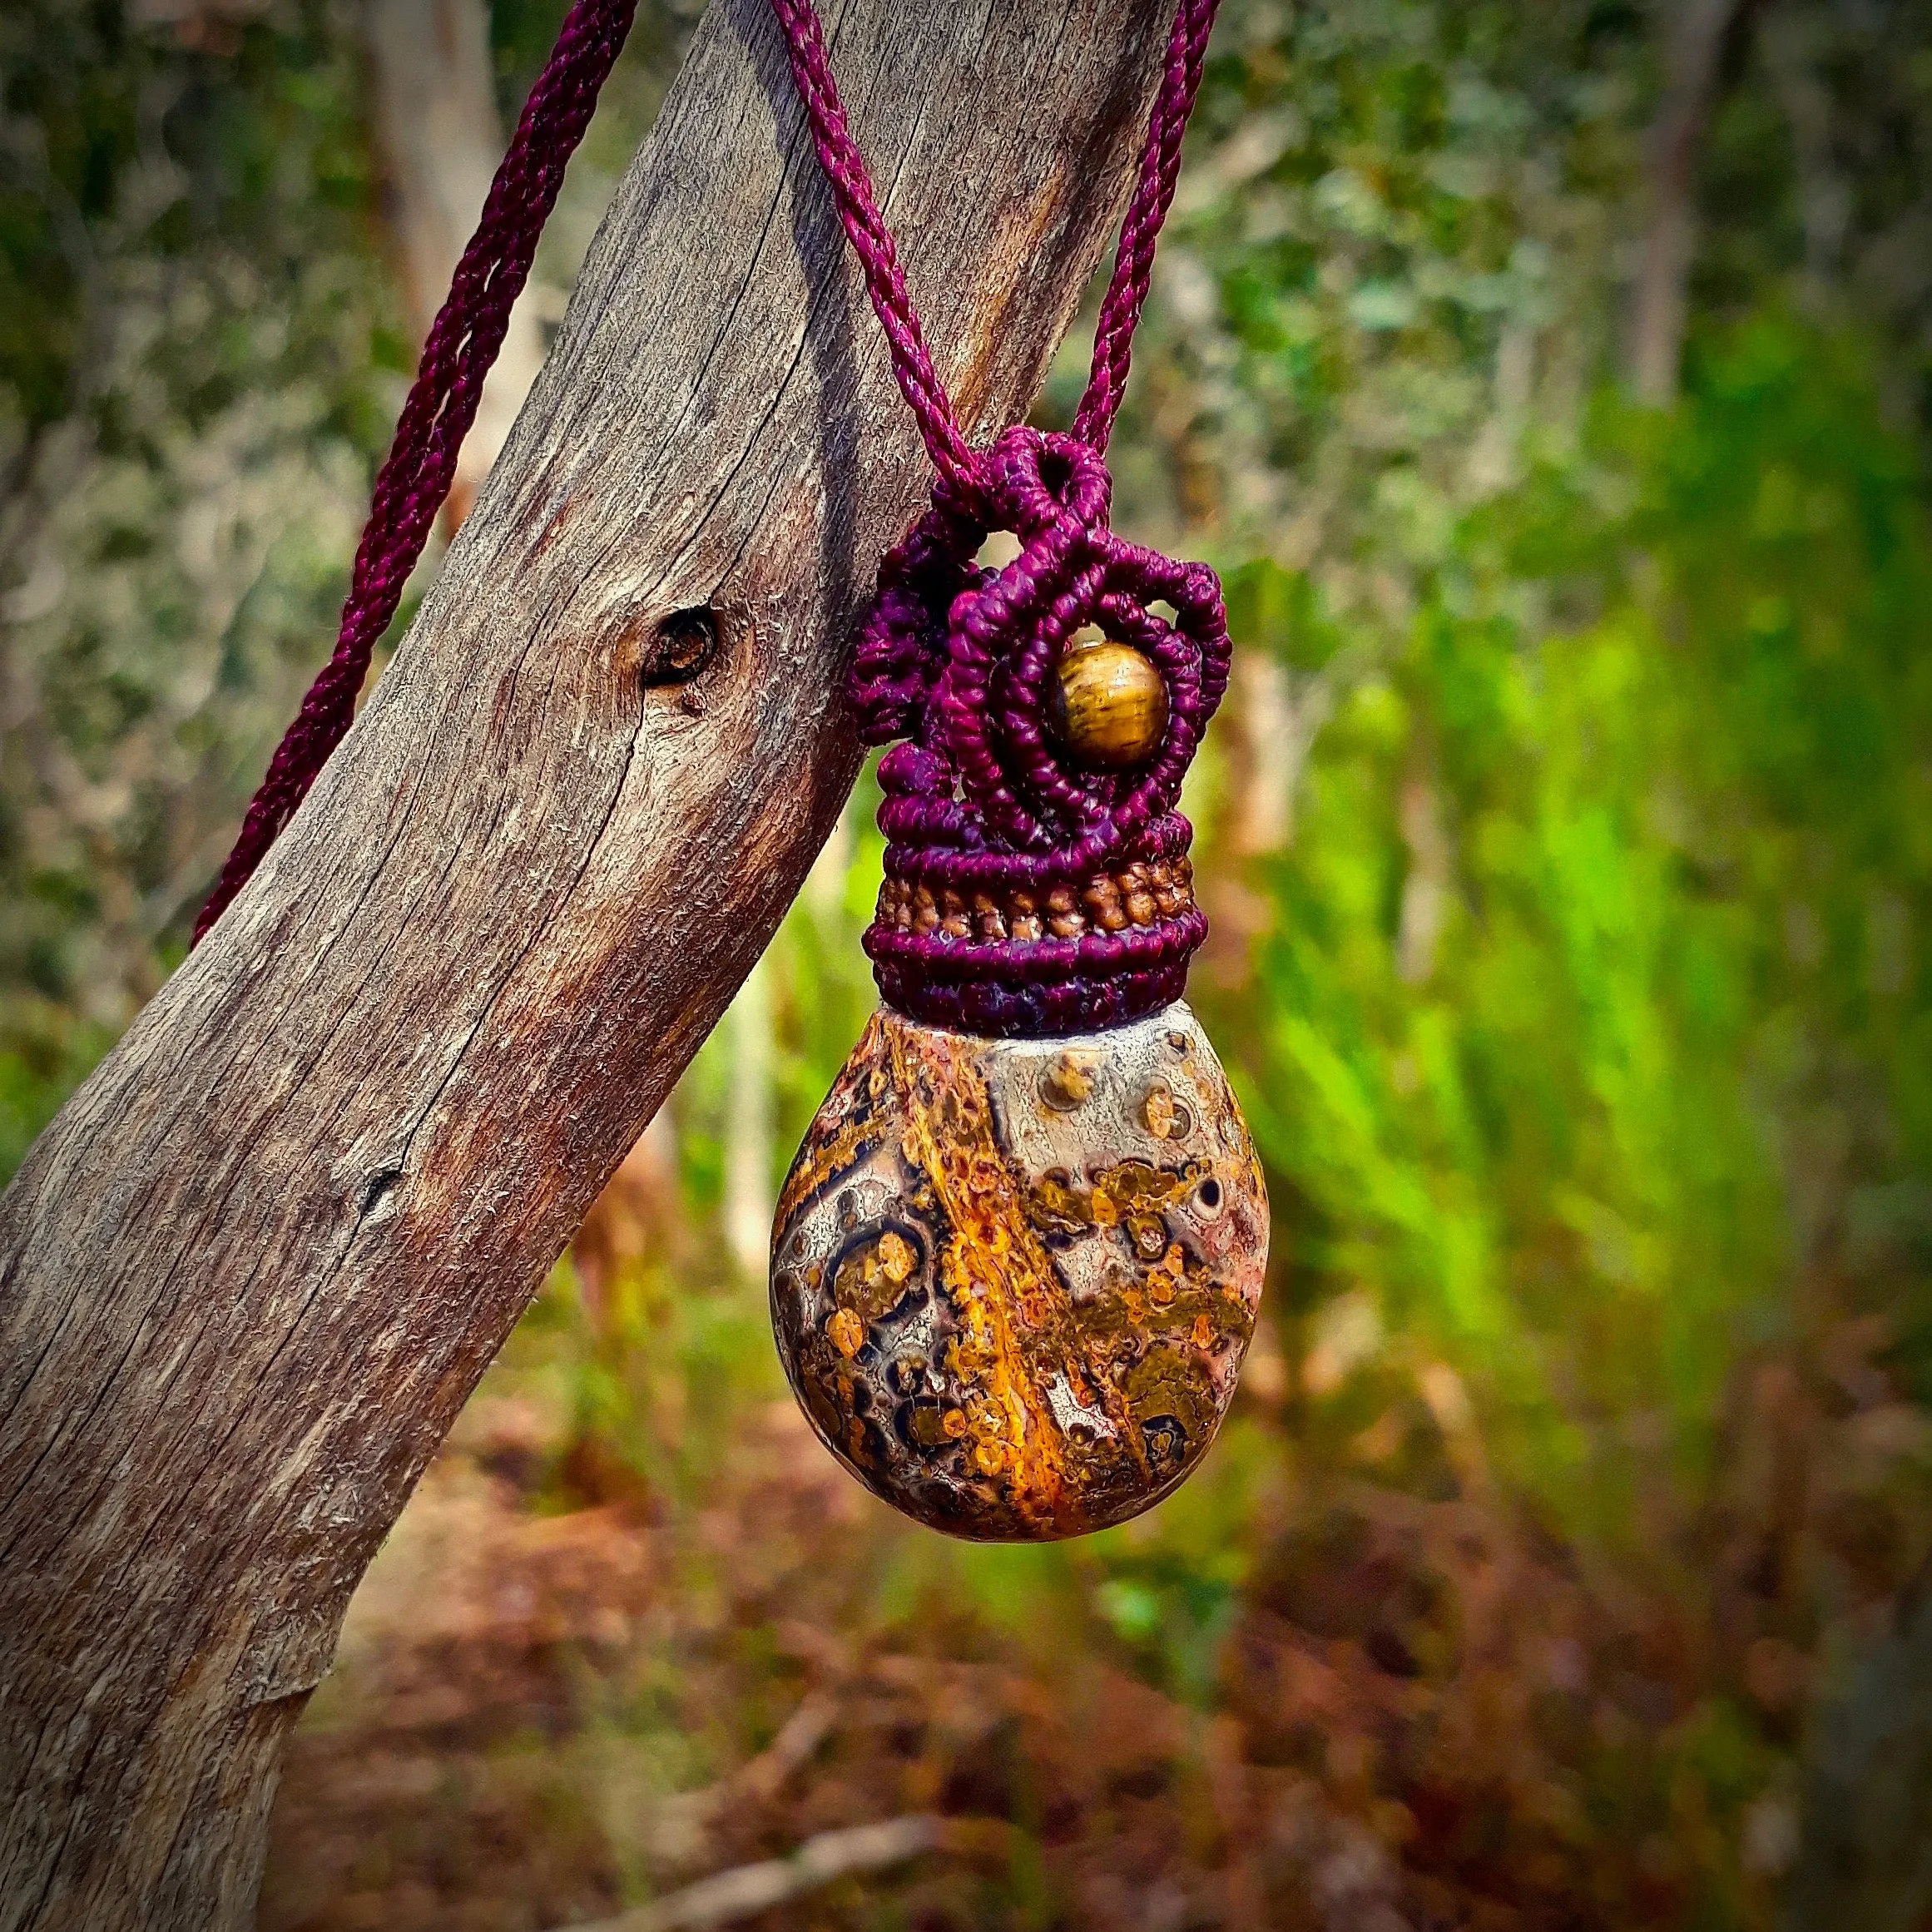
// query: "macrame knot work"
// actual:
[[1027, 893]]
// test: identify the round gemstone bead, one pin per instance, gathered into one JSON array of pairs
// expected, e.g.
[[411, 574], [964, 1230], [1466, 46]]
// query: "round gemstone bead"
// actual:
[[1013, 1280], [1108, 706]]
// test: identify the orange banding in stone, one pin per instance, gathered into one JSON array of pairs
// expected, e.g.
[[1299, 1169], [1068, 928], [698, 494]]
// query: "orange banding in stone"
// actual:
[[1013, 1280]]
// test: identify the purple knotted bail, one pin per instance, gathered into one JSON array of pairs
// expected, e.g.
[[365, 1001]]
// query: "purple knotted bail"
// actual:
[[1025, 895]]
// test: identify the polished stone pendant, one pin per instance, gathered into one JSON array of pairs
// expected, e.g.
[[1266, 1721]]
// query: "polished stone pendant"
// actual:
[[1014, 1279]]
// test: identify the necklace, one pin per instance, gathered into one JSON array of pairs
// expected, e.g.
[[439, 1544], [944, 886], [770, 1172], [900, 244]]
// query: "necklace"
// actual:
[[1017, 1259]]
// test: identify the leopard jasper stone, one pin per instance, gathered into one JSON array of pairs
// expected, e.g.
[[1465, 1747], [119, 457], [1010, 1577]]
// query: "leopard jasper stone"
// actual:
[[1013, 1280]]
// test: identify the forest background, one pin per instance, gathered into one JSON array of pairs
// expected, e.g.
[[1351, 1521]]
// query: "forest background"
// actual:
[[1551, 383]]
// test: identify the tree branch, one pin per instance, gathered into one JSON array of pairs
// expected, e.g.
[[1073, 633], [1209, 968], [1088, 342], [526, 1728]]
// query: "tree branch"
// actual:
[[249, 1276], [1660, 311], [747, 1891]]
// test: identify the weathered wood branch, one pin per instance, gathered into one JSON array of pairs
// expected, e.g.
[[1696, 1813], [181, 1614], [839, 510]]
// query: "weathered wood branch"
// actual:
[[250, 1274]]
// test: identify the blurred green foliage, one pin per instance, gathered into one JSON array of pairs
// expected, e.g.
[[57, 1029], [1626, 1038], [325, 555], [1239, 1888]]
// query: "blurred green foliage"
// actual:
[[199, 359], [1679, 984]]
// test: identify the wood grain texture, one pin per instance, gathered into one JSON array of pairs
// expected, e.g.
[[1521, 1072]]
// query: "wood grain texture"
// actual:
[[249, 1276]]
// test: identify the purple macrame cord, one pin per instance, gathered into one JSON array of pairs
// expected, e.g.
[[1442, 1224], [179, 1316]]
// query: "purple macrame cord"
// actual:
[[1022, 896], [871, 240], [416, 475]]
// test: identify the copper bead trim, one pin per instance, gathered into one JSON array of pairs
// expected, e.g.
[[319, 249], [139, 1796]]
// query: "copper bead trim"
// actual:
[[1137, 895]]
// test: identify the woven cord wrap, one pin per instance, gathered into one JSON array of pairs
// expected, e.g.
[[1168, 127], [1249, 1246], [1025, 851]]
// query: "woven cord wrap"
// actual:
[[416, 476], [1024, 896]]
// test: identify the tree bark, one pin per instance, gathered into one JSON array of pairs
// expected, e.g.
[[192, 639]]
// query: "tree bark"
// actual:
[[250, 1274], [432, 109]]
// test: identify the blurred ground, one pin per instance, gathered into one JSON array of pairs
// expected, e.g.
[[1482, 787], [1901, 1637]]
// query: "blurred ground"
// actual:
[[560, 1691]]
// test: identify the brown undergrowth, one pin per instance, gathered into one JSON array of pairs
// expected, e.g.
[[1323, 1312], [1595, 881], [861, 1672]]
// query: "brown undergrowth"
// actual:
[[1403, 1705]]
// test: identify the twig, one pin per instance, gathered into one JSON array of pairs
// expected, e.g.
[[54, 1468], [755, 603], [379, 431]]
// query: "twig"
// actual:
[[799, 1737], [1691, 97], [748, 1889], [760, 1779]]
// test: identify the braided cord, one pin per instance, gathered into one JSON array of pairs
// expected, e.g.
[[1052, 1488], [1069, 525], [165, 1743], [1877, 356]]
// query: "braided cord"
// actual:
[[416, 475], [851, 184], [1133, 265], [1127, 291]]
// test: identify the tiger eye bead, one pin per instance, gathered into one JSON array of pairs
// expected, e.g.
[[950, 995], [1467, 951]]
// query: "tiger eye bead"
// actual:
[[1108, 706]]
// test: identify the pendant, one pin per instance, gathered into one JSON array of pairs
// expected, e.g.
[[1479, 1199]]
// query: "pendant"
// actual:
[[1017, 1262], [1014, 1279]]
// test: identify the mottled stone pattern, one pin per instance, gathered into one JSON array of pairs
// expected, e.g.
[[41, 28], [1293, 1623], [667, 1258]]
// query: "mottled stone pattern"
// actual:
[[1013, 1280]]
